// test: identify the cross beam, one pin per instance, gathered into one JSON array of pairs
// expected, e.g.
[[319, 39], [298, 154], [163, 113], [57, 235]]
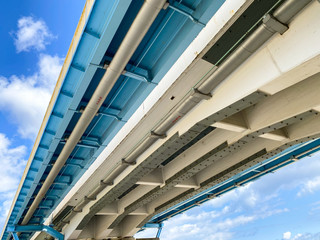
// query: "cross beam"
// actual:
[[34, 228]]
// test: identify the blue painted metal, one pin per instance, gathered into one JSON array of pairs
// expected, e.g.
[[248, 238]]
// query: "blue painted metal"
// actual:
[[180, 9], [270, 165], [137, 76], [34, 228], [134, 75], [159, 231], [153, 225], [15, 236]]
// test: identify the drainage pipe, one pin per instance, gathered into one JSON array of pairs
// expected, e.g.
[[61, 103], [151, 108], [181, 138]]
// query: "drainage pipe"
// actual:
[[137, 31]]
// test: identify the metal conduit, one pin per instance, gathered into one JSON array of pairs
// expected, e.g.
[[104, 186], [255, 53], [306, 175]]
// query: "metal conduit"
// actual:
[[263, 33], [147, 14]]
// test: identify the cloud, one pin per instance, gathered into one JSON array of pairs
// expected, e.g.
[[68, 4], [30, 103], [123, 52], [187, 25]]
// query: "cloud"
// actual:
[[12, 163], [306, 236], [25, 98], [243, 212], [201, 223], [302, 177], [286, 235], [31, 34], [310, 186]]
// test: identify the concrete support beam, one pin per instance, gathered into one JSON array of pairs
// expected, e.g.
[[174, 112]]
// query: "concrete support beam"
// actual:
[[304, 128], [127, 227], [174, 192], [235, 123], [88, 231], [211, 141], [189, 183], [276, 135], [98, 227], [292, 101], [142, 211], [110, 209], [155, 178], [233, 159], [134, 196]]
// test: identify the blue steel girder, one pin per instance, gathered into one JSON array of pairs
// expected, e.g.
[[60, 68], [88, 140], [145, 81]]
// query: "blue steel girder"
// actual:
[[34, 228]]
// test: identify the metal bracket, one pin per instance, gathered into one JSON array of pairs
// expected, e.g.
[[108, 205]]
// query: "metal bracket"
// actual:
[[137, 76], [159, 230], [102, 183], [111, 115], [272, 23], [123, 161], [83, 145], [75, 165], [127, 73], [34, 228], [152, 134], [196, 93], [89, 199], [186, 11]]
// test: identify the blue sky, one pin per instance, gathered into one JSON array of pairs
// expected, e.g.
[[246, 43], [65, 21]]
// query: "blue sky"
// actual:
[[279, 206], [35, 36]]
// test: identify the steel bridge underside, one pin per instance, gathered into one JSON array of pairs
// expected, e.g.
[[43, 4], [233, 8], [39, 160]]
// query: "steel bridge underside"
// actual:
[[211, 100]]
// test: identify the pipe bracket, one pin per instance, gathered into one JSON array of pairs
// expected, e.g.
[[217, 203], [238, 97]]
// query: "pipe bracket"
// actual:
[[89, 198], [152, 134], [272, 23], [76, 211], [105, 184], [196, 93], [186, 11], [124, 162]]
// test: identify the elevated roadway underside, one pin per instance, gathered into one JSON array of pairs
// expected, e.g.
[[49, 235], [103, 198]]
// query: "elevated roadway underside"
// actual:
[[264, 116], [241, 101]]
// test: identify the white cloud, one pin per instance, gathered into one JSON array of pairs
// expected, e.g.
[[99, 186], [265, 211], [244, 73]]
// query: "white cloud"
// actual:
[[310, 186], [286, 235], [239, 213], [303, 176], [12, 164], [25, 98], [32, 34], [307, 236], [205, 224], [299, 235], [232, 223]]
